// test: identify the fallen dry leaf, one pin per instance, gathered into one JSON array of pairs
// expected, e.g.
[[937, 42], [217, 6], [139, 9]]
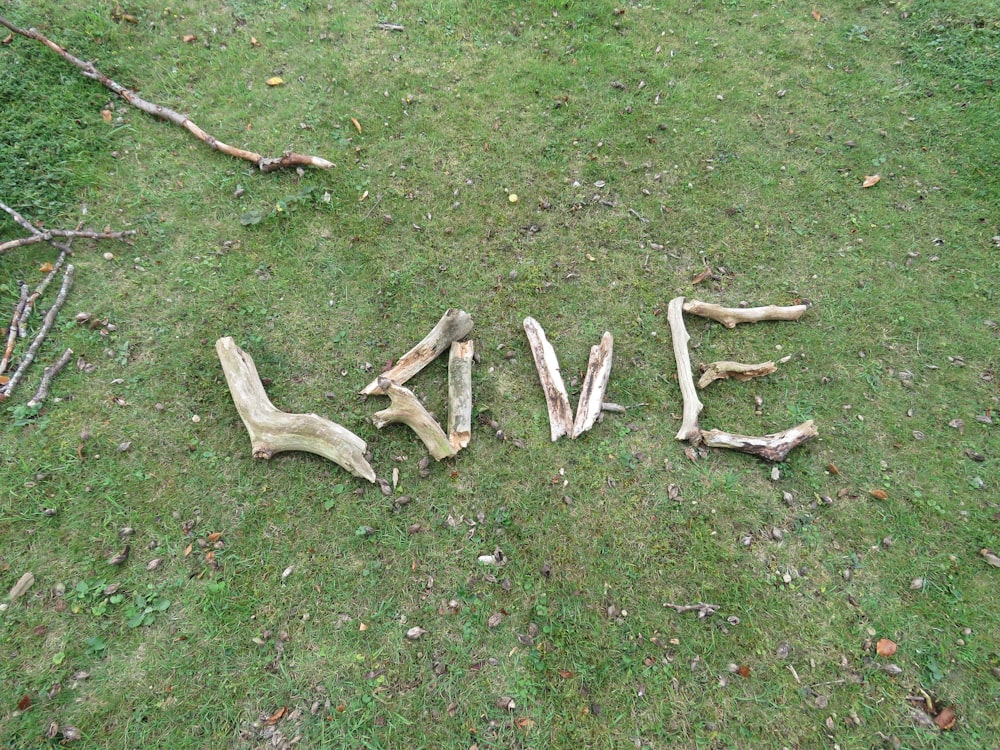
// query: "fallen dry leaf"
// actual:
[[214, 537], [706, 274], [25, 703], [871, 180], [274, 81], [743, 670], [946, 719], [817, 15], [106, 115], [254, 42], [885, 647], [415, 632], [990, 557], [46, 267], [121, 556], [879, 494], [276, 716], [7, 39], [188, 38], [524, 723], [356, 124]]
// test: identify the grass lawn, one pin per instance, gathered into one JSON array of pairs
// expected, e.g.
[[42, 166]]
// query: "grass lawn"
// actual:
[[571, 161]]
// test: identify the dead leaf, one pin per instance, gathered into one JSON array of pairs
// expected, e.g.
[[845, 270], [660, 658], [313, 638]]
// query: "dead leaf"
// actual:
[[946, 719], [706, 274], [494, 620], [25, 703], [276, 716], [817, 16], [274, 81], [879, 494], [743, 670], [565, 674], [357, 125], [187, 550], [4, 380], [885, 647], [871, 180], [121, 556], [415, 632], [254, 42], [524, 723], [188, 38], [990, 557], [214, 537], [832, 468], [46, 267], [106, 115]]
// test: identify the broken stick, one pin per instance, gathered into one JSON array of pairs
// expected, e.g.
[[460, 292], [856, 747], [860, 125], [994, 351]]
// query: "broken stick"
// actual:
[[454, 325], [689, 430], [47, 323], [460, 394], [48, 235], [547, 364], [265, 164], [406, 408], [273, 431], [730, 316], [48, 375], [775, 447], [735, 370], [594, 385]]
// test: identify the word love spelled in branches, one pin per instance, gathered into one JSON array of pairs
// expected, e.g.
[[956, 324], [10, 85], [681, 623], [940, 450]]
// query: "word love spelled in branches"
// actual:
[[273, 431]]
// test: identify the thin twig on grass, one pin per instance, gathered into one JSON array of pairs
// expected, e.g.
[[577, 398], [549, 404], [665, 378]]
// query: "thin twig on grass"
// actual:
[[48, 376], [50, 234], [15, 326], [50, 317], [265, 164]]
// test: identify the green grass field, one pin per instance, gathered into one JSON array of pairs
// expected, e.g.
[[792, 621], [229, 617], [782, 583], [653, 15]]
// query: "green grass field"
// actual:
[[266, 604]]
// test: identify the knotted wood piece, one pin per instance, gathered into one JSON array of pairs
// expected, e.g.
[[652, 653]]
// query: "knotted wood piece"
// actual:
[[407, 409], [690, 429], [460, 394], [735, 370], [454, 325], [775, 447], [731, 316], [547, 364], [273, 431], [588, 408]]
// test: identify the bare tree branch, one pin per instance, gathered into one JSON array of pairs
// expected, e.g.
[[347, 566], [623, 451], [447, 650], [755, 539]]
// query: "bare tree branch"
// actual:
[[265, 164], [48, 376], [50, 234]]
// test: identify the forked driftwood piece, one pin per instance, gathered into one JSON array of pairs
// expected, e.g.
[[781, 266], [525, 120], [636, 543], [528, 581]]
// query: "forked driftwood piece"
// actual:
[[588, 409], [689, 430], [273, 431], [547, 364], [47, 323], [48, 375], [406, 408], [730, 316], [774, 447], [265, 164], [704, 610], [454, 325], [460, 394], [735, 370]]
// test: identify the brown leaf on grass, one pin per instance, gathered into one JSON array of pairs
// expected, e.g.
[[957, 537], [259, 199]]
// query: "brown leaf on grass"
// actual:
[[254, 42], [46, 267], [121, 557], [4, 380], [7, 39], [879, 494], [276, 716], [106, 115], [990, 557], [946, 719], [817, 15], [565, 674], [871, 180], [706, 274], [188, 38], [25, 703], [274, 81], [885, 647], [356, 124], [832, 468], [213, 537], [524, 723], [743, 670], [187, 550]]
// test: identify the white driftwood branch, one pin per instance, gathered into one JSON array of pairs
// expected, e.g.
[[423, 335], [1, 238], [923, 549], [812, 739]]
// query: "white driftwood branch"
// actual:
[[273, 431], [454, 325], [406, 408], [48, 235], [774, 447], [460, 394], [47, 323], [265, 164], [588, 408], [547, 364], [735, 370], [689, 430], [730, 316]]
